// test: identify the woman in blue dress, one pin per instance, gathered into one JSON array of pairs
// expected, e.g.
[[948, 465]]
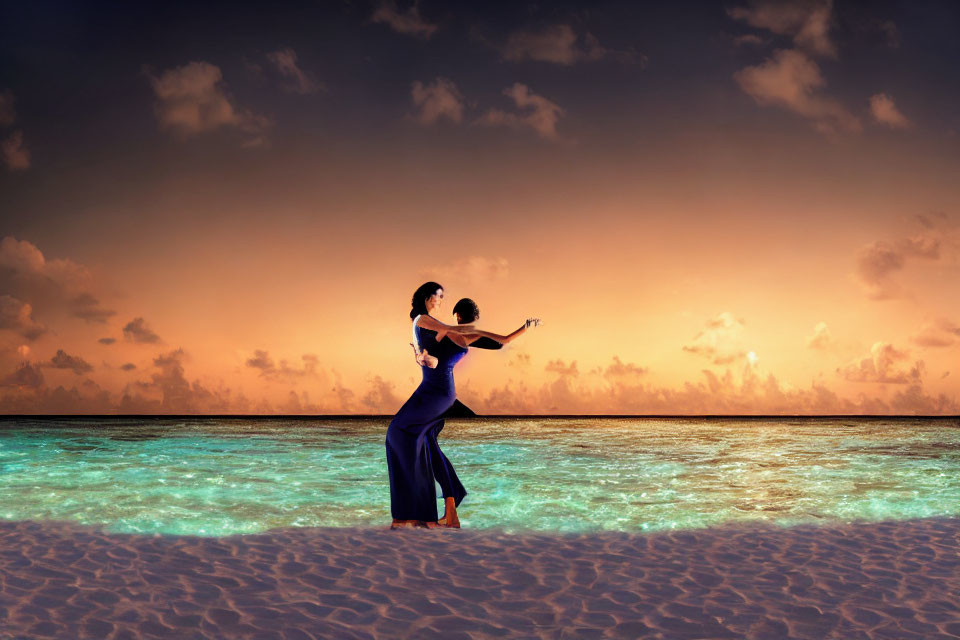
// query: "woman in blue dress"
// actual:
[[414, 463]]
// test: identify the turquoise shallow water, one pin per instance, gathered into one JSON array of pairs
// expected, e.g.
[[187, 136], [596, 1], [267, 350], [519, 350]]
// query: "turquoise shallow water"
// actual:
[[227, 476]]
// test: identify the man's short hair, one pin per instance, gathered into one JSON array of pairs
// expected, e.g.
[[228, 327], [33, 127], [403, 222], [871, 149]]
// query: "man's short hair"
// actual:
[[467, 309]]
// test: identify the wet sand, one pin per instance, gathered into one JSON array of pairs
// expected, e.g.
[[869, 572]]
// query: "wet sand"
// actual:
[[868, 580]]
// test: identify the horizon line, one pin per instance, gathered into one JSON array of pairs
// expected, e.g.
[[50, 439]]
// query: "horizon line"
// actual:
[[344, 416]]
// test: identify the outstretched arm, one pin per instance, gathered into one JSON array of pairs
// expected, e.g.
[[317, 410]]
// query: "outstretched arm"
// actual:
[[476, 334]]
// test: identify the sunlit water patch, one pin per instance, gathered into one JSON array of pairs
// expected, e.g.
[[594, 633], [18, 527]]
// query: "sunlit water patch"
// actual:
[[227, 476]]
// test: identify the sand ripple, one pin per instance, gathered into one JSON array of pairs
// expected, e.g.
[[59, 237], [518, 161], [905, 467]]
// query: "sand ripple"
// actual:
[[897, 580]]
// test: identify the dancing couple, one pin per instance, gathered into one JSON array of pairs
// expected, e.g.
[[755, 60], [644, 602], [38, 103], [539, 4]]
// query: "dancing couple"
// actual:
[[414, 459]]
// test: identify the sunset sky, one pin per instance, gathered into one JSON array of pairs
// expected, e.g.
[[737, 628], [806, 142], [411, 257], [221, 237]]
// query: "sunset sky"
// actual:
[[715, 207]]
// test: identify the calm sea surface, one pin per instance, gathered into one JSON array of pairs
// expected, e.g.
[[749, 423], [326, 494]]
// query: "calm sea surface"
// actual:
[[227, 476]]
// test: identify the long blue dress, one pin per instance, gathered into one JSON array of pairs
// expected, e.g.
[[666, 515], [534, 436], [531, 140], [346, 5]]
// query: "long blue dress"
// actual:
[[414, 459]]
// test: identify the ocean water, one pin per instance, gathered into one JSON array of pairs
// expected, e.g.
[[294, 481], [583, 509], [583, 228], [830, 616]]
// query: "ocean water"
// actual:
[[208, 476]]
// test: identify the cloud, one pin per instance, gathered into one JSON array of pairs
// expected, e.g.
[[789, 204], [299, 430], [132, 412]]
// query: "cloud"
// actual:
[[537, 113], [408, 22], [8, 115], [87, 307], [942, 333], [807, 22], [380, 398], [792, 81], [47, 285], [821, 338], [17, 315], [440, 99], [880, 260], [721, 340], [15, 155], [885, 364], [191, 99], [268, 369], [128, 366], [564, 370], [750, 393], [885, 112], [470, 270], [137, 331], [26, 376], [620, 370], [65, 361], [559, 44], [107, 340], [299, 81]]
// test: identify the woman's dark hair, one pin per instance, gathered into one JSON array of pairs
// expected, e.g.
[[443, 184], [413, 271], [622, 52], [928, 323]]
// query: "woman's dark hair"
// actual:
[[467, 309], [419, 302]]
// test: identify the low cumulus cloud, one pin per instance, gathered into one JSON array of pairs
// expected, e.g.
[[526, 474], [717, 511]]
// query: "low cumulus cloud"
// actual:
[[791, 80], [16, 315], [940, 333], [296, 79], [749, 393], [884, 111], [880, 261], [408, 22], [559, 44], [137, 330], [885, 364], [821, 339], [807, 22], [470, 270], [262, 361], [25, 376], [63, 360], [438, 100], [534, 112], [47, 285], [192, 99], [87, 307], [721, 341]]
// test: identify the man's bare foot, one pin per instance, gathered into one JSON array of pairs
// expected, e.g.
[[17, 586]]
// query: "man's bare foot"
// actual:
[[404, 524], [450, 518]]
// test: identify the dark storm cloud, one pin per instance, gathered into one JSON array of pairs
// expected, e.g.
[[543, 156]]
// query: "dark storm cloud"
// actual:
[[137, 331], [65, 361]]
